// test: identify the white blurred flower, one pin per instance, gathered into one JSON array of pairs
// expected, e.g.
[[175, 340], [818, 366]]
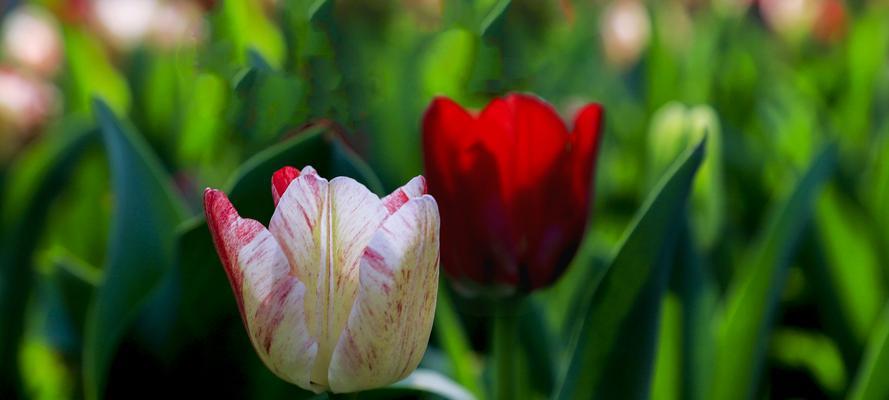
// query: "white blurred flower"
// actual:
[[177, 23], [626, 30], [31, 39], [792, 19], [125, 23]]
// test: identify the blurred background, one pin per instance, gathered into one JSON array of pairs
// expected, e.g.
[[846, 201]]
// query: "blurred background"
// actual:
[[776, 286]]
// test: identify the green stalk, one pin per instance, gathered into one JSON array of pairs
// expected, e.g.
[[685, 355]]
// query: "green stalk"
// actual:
[[505, 345]]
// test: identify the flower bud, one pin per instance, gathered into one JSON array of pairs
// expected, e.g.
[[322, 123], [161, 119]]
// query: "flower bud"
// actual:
[[673, 129]]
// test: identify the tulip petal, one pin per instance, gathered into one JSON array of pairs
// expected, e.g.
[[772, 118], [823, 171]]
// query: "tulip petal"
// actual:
[[269, 297], [464, 178], [389, 327], [585, 148], [323, 228], [281, 180], [274, 300]]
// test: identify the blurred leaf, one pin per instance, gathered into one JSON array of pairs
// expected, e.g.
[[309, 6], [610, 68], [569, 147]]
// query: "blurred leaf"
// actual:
[[204, 119], [47, 376], [447, 64], [854, 270], [92, 74], [614, 353], [812, 351], [870, 381], [668, 362], [32, 187], [539, 346], [141, 247], [753, 296], [451, 338], [268, 102], [867, 44], [488, 11], [245, 24]]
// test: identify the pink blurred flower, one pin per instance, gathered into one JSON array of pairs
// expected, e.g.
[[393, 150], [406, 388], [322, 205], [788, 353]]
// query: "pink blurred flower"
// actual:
[[792, 19], [31, 39], [626, 29], [25, 102], [177, 23]]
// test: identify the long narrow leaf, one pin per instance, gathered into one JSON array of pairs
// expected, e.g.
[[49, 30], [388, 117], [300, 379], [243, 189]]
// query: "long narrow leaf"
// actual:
[[615, 350], [753, 296], [146, 214]]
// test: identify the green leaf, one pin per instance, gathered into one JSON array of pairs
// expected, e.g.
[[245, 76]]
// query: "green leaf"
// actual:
[[489, 11], [614, 353], [668, 362], [453, 340], [245, 24], [140, 250], [204, 110], [853, 268], [447, 64], [92, 74], [538, 344], [33, 184], [812, 351], [871, 382], [268, 102], [753, 296]]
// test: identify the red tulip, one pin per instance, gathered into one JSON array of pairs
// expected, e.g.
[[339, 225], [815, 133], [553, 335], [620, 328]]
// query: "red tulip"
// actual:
[[513, 186]]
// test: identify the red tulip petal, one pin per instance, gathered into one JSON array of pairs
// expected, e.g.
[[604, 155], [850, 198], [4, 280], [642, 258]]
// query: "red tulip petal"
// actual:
[[585, 149], [449, 137], [281, 180]]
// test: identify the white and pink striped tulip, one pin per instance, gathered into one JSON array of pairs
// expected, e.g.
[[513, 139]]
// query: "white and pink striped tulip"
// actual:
[[339, 292]]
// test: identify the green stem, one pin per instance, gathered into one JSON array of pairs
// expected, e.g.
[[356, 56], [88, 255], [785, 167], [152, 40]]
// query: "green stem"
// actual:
[[505, 351]]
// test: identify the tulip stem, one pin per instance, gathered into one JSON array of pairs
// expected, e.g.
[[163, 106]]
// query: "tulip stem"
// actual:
[[505, 345]]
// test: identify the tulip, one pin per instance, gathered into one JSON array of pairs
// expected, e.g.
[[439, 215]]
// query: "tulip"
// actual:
[[339, 292], [124, 23], [26, 102], [626, 30], [31, 39], [514, 188], [792, 19]]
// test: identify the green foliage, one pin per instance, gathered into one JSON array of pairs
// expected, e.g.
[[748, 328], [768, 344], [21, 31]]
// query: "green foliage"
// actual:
[[708, 270], [617, 338], [141, 246]]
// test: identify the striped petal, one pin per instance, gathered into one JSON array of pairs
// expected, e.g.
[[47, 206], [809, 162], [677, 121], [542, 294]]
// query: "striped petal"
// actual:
[[269, 297], [388, 329], [323, 228], [414, 188]]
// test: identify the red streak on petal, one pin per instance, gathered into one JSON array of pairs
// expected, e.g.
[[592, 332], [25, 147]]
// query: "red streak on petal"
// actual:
[[271, 312], [377, 262], [230, 233], [395, 200]]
